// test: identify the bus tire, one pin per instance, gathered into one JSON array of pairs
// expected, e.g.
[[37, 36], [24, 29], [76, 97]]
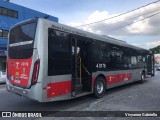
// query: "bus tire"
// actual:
[[143, 77], [99, 87]]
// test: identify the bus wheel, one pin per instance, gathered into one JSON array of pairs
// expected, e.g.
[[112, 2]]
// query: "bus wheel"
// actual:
[[143, 77], [99, 87]]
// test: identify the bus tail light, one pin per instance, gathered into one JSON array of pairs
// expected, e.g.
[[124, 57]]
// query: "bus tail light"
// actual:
[[35, 72]]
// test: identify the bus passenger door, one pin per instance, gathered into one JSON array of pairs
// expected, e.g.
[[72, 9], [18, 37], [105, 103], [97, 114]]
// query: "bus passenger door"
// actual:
[[150, 65], [81, 66]]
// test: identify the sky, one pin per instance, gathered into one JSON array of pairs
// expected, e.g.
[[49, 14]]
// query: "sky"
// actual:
[[144, 33]]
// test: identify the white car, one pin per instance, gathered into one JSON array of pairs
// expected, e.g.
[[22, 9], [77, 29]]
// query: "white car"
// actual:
[[158, 67], [2, 77]]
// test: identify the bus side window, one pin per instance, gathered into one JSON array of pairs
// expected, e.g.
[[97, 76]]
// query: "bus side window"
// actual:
[[144, 59], [59, 54], [101, 55], [134, 61]]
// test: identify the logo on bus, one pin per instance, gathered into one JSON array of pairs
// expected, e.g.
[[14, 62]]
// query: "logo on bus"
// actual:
[[17, 74], [17, 80]]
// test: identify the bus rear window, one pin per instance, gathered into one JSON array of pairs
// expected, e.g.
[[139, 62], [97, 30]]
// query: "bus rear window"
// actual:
[[21, 39], [23, 33]]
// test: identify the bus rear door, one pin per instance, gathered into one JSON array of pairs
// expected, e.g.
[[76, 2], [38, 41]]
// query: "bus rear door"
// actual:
[[150, 64], [81, 65]]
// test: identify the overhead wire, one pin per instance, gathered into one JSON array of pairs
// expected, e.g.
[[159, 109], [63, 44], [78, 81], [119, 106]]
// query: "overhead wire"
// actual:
[[119, 14], [134, 22], [144, 14]]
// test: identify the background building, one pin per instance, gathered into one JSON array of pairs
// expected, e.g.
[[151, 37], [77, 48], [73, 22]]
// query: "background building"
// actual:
[[11, 14]]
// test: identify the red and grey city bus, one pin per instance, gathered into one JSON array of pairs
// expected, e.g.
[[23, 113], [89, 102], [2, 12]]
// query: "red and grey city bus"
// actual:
[[48, 61]]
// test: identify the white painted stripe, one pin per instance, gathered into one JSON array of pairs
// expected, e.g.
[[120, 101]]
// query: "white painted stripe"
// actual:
[[21, 43]]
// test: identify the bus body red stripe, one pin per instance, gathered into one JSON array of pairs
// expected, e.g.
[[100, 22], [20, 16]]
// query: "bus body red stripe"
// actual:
[[58, 88], [62, 88], [118, 78], [111, 79]]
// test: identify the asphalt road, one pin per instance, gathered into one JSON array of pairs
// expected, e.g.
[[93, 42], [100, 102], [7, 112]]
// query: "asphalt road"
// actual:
[[131, 97]]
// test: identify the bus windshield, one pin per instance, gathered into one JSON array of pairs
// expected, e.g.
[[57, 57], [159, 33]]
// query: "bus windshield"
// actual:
[[21, 41]]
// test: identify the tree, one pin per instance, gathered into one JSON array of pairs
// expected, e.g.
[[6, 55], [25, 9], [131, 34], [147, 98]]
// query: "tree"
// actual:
[[155, 50]]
